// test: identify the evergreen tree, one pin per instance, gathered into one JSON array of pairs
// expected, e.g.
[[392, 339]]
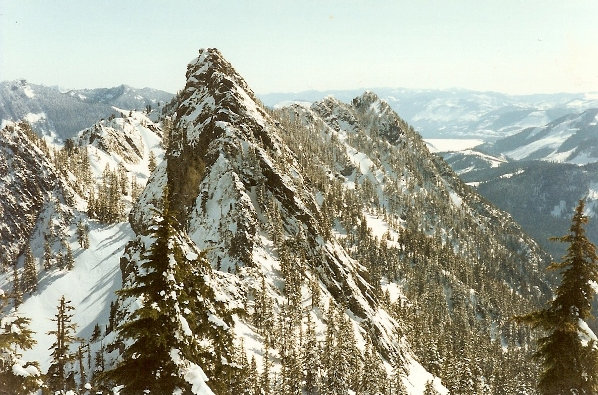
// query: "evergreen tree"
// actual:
[[82, 373], [430, 390], [97, 332], [311, 359], [82, 234], [58, 378], [152, 162], [29, 279], [16, 376], [396, 382], [254, 378], [373, 377], [565, 351], [47, 256], [178, 325], [263, 317], [68, 259], [16, 294], [265, 382]]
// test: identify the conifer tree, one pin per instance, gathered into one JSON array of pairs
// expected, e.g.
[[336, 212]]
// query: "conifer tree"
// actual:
[[396, 382], [430, 390], [16, 376], [82, 234], [16, 294], [47, 256], [178, 325], [265, 381], [373, 377], [152, 162], [68, 259], [58, 377], [311, 359], [566, 354], [263, 317], [29, 279], [254, 379], [97, 332]]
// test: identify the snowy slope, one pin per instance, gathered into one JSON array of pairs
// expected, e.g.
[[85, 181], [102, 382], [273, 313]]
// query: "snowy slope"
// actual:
[[89, 286], [43, 207], [127, 140], [570, 139], [246, 171]]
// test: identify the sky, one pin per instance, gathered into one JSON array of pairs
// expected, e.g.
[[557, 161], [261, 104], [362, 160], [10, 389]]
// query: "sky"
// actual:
[[516, 47]]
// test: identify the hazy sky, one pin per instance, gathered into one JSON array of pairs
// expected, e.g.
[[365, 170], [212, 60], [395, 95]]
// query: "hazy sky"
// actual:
[[507, 46]]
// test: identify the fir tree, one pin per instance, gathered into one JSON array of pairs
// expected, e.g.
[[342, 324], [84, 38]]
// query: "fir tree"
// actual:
[[263, 317], [565, 353], [82, 373], [58, 378], [178, 324], [396, 382], [265, 382], [16, 376], [374, 376]]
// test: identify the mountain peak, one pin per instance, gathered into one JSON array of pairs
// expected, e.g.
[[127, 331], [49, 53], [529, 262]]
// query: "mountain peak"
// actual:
[[214, 93]]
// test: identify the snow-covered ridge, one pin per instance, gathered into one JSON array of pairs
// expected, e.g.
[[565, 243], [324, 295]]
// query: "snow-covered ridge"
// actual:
[[570, 139], [245, 175], [27, 180]]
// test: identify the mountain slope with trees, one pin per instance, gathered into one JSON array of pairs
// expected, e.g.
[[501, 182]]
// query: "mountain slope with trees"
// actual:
[[316, 248]]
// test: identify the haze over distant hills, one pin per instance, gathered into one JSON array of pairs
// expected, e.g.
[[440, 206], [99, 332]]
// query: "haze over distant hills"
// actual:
[[539, 174], [460, 113]]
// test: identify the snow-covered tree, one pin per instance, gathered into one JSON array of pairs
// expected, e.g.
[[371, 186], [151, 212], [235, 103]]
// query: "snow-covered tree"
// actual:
[[16, 293], [311, 358], [83, 234], [58, 378], [47, 258], [16, 375], [567, 351], [178, 327], [29, 279], [152, 162]]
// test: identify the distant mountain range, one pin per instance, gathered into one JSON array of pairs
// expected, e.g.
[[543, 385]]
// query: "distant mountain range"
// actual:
[[539, 174], [59, 115], [459, 113], [572, 138]]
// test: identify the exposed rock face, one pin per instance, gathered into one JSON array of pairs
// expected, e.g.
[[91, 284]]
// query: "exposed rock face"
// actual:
[[27, 180], [238, 182]]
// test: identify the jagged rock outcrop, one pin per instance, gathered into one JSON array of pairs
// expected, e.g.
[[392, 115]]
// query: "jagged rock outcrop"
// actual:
[[323, 184], [27, 180], [229, 173]]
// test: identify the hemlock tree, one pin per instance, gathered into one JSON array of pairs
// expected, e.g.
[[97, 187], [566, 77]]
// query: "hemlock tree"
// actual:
[[178, 327], [567, 353], [16, 375]]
